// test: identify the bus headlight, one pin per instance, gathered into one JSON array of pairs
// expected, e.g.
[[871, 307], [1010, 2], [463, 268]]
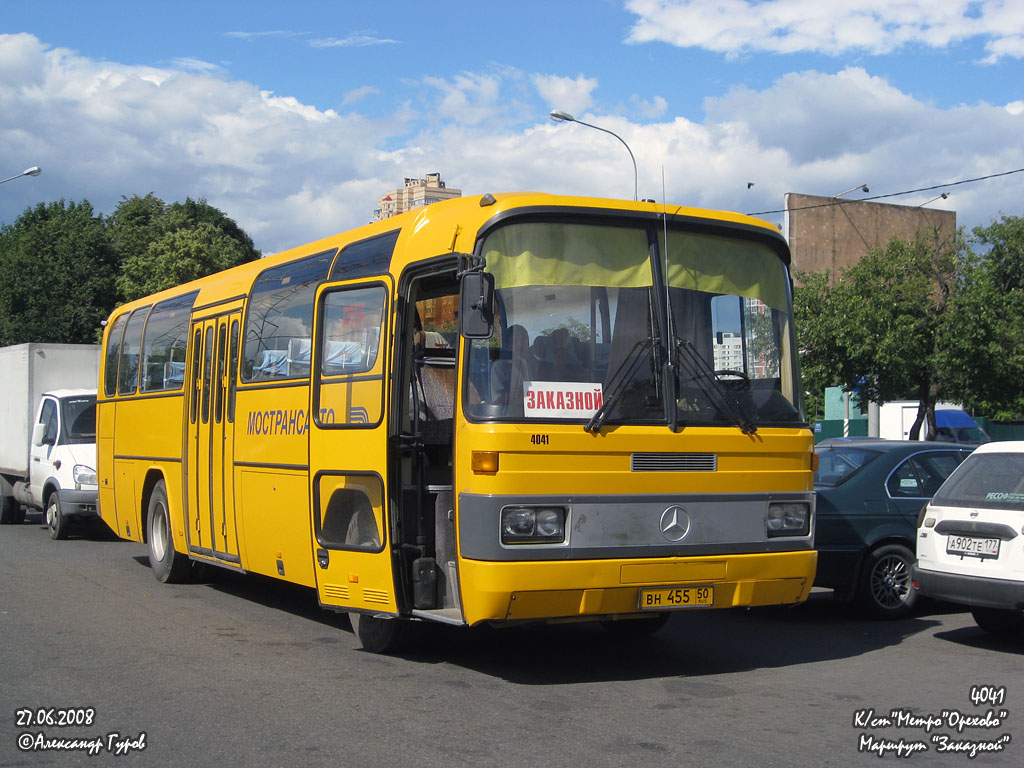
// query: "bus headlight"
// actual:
[[532, 525], [83, 476], [788, 518]]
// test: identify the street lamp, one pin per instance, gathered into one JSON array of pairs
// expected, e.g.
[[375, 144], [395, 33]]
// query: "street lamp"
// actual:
[[565, 117], [863, 187], [35, 170], [943, 196]]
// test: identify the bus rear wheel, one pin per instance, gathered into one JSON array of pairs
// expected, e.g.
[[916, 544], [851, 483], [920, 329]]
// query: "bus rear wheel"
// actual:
[[379, 635], [168, 566]]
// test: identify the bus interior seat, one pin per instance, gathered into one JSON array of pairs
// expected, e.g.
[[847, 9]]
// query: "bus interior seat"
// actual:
[[174, 375], [272, 363], [299, 355]]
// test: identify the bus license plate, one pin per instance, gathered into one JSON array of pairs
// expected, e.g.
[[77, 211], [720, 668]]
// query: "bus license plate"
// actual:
[[670, 598], [971, 546]]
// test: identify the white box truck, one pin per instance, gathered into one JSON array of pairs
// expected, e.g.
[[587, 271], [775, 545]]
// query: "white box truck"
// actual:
[[952, 423], [48, 433]]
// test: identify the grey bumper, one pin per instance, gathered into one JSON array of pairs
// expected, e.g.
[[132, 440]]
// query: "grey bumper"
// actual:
[[970, 590], [79, 503]]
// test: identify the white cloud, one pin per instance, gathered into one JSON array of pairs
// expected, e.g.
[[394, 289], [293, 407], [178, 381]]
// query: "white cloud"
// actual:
[[195, 65], [358, 40], [103, 130], [736, 27], [268, 33], [470, 97], [358, 94], [566, 93], [290, 173], [652, 108]]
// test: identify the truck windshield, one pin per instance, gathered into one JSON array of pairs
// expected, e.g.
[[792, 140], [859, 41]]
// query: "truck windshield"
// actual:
[[580, 323], [78, 415]]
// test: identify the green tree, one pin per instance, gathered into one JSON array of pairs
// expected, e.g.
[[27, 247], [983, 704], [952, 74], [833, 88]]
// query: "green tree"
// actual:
[[883, 325], [161, 245], [58, 270], [982, 363]]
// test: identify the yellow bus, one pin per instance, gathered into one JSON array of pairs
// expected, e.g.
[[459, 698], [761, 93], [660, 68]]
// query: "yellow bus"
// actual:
[[496, 409]]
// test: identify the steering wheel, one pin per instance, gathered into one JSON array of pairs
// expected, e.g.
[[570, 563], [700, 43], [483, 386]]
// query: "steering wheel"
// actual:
[[733, 379], [734, 374]]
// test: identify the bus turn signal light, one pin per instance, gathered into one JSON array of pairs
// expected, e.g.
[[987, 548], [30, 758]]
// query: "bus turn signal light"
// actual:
[[485, 461]]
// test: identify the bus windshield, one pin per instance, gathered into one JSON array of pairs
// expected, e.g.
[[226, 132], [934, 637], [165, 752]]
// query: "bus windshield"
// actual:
[[581, 330]]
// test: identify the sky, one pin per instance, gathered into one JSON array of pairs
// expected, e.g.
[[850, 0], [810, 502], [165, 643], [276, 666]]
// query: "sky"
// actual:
[[293, 118]]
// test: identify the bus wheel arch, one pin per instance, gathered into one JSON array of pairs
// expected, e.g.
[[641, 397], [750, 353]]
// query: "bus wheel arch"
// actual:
[[169, 566], [153, 476]]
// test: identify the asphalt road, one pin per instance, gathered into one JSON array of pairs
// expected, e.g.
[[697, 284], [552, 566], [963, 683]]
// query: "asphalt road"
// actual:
[[248, 671]]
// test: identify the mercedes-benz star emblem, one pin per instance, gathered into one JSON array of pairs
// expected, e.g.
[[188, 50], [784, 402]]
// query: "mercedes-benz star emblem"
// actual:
[[675, 523]]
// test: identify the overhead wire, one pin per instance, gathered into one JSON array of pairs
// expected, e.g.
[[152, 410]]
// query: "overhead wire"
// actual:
[[840, 201]]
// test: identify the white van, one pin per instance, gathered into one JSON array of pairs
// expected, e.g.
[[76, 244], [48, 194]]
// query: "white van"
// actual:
[[970, 538]]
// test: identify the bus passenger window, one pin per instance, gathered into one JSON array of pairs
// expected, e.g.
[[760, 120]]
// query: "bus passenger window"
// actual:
[[128, 366], [193, 395], [278, 327], [163, 346], [207, 372], [218, 383], [113, 355], [233, 372]]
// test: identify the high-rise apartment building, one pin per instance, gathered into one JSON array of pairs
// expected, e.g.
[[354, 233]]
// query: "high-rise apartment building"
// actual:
[[415, 194]]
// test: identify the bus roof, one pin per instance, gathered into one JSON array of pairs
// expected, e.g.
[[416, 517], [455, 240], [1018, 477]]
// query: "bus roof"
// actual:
[[455, 225]]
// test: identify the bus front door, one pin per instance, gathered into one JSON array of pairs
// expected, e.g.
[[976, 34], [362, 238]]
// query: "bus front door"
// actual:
[[209, 469], [348, 447]]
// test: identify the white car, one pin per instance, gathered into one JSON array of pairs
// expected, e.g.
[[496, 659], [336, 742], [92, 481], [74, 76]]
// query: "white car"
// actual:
[[970, 538]]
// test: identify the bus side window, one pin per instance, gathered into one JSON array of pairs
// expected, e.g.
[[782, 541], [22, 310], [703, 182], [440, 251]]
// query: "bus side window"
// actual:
[[207, 372], [128, 366], [112, 356], [280, 319], [193, 395], [233, 372], [163, 345]]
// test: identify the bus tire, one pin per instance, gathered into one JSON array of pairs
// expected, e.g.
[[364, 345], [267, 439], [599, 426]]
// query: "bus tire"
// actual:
[[56, 521], [884, 590], [627, 628], [379, 635], [169, 566]]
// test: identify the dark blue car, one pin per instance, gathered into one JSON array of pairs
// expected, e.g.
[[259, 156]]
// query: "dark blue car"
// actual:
[[869, 495]]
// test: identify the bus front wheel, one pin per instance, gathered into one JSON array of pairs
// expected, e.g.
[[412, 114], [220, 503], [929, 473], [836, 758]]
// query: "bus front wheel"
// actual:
[[379, 635], [168, 566]]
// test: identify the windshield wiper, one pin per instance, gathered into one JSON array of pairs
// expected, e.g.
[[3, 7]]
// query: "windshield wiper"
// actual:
[[617, 384], [711, 386]]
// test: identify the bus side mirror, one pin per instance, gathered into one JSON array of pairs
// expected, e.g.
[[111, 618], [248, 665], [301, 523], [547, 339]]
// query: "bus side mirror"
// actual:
[[476, 319]]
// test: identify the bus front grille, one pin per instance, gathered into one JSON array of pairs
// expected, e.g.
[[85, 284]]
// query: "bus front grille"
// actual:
[[674, 462]]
